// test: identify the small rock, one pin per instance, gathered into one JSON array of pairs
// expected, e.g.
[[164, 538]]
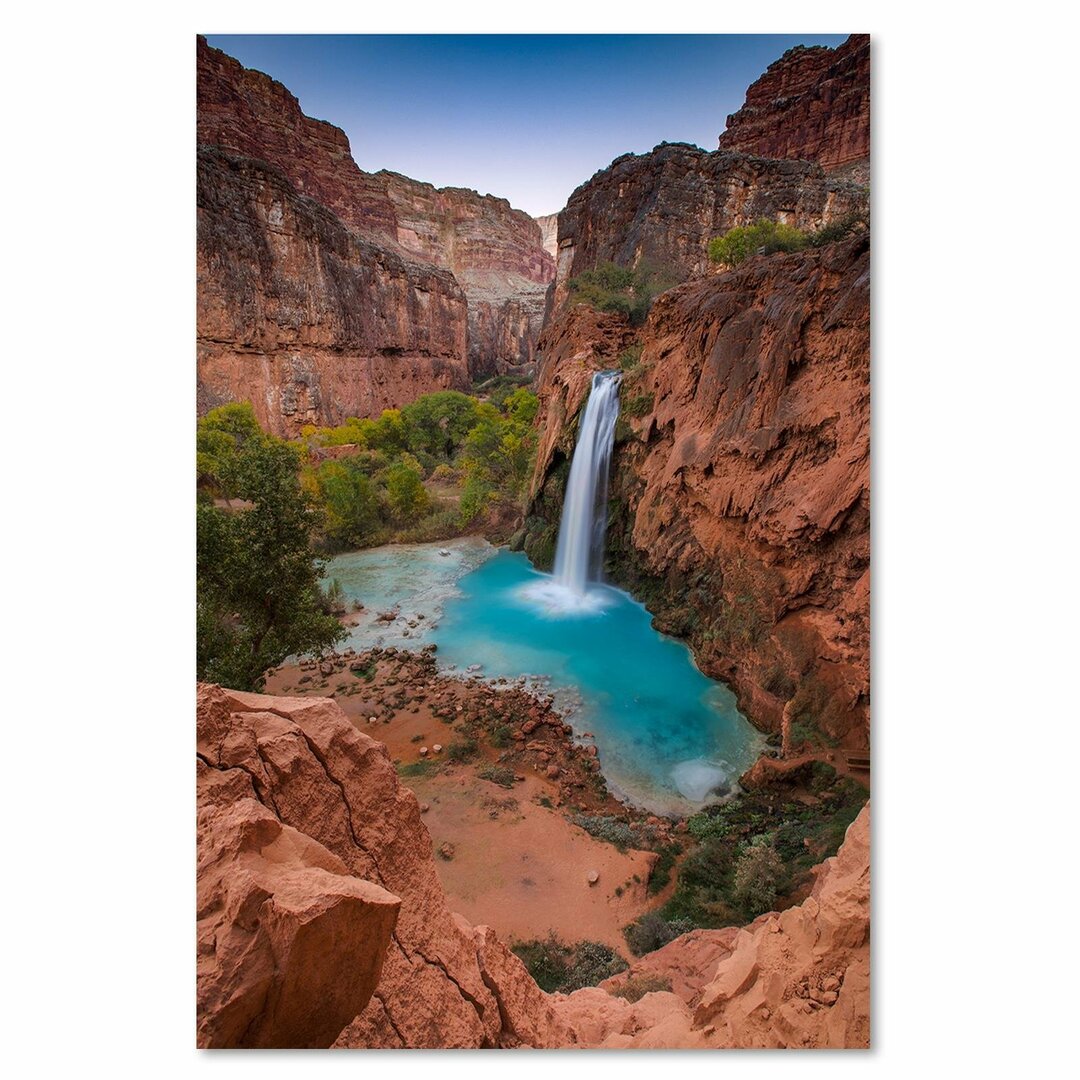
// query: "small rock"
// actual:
[[423, 751], [592, 877], [437, 747], [446, 851], [828, 997], [830, 982], [424, 808]]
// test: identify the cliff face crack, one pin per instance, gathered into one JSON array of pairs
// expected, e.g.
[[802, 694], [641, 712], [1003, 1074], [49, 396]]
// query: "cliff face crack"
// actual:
[[470, 998], [321, 759], [390, 1019], [241, 768]]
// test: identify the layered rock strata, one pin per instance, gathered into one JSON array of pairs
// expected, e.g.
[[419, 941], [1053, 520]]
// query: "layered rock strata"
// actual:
[[496, 254], [812, 104], [299, 316], [474, 269], [740, 483], [660, 210]]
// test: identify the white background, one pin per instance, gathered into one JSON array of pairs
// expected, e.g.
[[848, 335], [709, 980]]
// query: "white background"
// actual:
[[975, 600]]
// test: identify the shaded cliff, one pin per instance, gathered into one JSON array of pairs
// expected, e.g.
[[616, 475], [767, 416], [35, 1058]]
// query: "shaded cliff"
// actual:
[[318, 894], [740, 483], [661, 209], [497, 256], [451, 245], [299, 316], [812, 104]]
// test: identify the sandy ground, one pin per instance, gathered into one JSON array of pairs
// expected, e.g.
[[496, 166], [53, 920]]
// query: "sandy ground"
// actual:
[[516, 863]]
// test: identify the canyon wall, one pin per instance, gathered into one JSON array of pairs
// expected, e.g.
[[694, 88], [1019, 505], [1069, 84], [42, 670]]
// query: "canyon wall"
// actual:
[[299, 316], [661, 209], [740, 483], [321, 920], [549, 233], [812, 104], [496, 254], [468, 269]]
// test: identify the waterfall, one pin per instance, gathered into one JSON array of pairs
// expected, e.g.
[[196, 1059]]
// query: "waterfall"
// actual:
[[580, 553]]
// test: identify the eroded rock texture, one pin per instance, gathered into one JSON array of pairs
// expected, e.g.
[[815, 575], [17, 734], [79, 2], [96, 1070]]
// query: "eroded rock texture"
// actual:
[[299, 316], [662, 208], [291, 781], [740, 482], [813, 104], [321, 920], [494, 251], [800, 978]]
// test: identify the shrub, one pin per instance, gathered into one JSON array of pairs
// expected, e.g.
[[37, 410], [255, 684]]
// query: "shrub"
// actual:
[[661, 874], [614, 831], [758, 874], [609, 287], [634, 989], [462, 750], [559, 967], [630, 358], [502, 737], [652, 931], [763, 237], [497, 774], [840, 229]]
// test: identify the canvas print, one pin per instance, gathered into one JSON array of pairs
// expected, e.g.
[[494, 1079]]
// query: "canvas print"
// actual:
[[533, 548]]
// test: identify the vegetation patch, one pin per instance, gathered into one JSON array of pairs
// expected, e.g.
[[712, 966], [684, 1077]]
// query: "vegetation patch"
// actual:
[[635, 988], [609, 287], [558, 967], [497, 774], [757, 849]]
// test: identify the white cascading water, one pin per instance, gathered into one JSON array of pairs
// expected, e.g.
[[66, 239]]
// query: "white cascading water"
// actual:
[[580, 552]]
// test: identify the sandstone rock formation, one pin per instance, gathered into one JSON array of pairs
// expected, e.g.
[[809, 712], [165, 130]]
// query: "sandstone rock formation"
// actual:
[[291, 781], [662, 208], [812, 104], [410, 232], [494, 251], [740, 483], [549, 232], [317, 895], [799, 978], [299, 316]]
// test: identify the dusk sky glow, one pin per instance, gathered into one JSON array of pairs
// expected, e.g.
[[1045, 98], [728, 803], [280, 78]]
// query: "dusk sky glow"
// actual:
[[528, 118]]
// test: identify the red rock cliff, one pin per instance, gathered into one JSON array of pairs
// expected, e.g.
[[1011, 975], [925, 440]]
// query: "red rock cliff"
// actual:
[[478, 242], [813, 104], [299, 316], [740, 482], [321, 920], [662, 208], [494, 251]]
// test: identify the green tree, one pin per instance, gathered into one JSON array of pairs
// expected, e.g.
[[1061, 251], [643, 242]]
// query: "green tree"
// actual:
[[222, 434], [350, 500], [258, 595], [439, 422], [405, 492]]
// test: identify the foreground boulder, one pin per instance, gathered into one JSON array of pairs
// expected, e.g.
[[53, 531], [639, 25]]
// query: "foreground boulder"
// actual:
[[299, 766]]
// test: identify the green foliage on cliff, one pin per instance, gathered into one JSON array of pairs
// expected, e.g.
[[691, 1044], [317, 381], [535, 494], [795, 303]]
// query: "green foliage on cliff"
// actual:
[[751, 852], [258, 580], [609, 287], [764, 237]]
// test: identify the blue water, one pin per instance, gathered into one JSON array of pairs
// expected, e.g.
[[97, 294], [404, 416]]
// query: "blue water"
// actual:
[[669, 739]]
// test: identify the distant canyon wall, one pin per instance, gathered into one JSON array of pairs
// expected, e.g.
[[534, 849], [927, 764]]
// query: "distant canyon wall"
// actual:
[[812, 104], [468, 270]]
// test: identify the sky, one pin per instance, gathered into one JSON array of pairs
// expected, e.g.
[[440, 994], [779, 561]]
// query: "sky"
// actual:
[[525, 117]]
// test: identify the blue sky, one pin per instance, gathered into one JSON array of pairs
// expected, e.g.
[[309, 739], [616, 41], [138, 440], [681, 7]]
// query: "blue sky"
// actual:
[[527, 117]]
